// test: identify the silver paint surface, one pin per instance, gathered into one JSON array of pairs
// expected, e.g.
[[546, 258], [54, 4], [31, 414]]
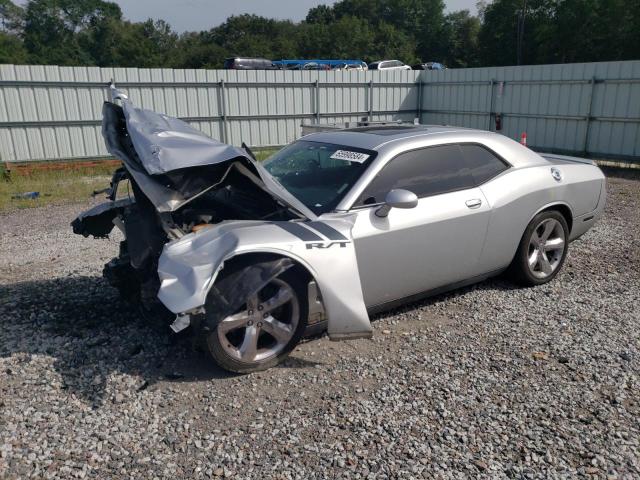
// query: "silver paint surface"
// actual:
[[444, 240]]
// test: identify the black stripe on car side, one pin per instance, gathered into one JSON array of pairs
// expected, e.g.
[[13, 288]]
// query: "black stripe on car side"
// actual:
[[327, 230], [299, 231]]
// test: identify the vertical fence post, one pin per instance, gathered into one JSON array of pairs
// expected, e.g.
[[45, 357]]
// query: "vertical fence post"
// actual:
[[491, 84], [370, 100], [223, 113], [419, 106], [317, 92], [587, 127]]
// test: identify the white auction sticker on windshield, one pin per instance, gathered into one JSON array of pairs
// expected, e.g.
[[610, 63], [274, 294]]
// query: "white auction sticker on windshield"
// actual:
[[349, 156]]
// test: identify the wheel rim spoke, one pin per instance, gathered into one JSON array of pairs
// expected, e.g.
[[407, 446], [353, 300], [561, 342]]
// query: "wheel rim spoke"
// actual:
[[549, 227], [252, 302], [535, 240], [545, 265], [533, 258], [554, 244], [249, 347], [282, 332], [232, 322], [282, 296]]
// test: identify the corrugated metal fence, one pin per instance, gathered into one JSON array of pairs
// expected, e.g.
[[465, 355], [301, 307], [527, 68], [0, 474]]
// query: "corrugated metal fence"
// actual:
[[50, 112], [588, 109]]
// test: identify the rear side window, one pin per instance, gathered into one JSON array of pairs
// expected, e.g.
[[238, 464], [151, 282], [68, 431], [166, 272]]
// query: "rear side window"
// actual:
[[425, 172], [482, 163]]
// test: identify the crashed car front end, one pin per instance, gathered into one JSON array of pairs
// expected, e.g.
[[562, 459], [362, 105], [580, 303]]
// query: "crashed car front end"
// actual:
[[196, 206], [188, 267]]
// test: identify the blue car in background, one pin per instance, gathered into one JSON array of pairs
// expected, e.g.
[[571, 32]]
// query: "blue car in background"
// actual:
[[315, 64]]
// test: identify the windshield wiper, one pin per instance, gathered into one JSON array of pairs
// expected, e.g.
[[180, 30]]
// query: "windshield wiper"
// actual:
[[248, 150]]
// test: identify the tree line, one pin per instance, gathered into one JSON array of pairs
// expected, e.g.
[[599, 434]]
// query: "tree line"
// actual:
[[505, 32]]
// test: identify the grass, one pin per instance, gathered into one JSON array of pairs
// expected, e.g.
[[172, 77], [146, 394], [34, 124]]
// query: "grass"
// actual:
[[264, 153], [62, 186], [55, 186]]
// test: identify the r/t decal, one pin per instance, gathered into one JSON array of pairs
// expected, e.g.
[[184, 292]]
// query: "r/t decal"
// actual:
[[325, 245]]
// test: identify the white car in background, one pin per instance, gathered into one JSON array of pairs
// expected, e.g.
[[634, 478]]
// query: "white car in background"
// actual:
[[388, 65]]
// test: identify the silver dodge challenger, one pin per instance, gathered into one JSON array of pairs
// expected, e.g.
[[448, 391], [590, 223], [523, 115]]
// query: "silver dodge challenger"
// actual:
[[254, 256]]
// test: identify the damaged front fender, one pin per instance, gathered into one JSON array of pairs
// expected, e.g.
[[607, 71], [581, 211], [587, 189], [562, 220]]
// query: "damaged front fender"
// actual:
[[188, 268], [98, 221], [231, 292]]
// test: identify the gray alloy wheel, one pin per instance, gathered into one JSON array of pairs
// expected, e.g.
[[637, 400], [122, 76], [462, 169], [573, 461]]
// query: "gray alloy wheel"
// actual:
[[264, 327], [546, 248], [542, 249], [263, 331]]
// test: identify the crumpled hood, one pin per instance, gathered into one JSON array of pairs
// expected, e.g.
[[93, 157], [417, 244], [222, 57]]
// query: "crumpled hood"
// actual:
[[173, 163], [165, 143]]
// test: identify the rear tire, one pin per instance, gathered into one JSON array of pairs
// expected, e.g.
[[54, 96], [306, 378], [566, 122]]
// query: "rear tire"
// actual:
[[542, 250], [264, 330]]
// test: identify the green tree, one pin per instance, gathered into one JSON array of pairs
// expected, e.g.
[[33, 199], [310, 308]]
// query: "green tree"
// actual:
[[11, 25], [255, 36], [197, 50], [462, 30], [320, 14], [502, 21], [608, 27], [52, 26], [391, 42], [11, 49], [419, 20], [11, 17]]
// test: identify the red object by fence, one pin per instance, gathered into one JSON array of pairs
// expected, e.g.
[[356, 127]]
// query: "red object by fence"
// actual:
[[523, 138]]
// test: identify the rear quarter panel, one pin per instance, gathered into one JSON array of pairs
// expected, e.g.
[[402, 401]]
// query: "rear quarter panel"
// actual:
[[518, 195]]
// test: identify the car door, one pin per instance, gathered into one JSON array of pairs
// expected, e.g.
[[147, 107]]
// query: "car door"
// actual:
[[437, 243]]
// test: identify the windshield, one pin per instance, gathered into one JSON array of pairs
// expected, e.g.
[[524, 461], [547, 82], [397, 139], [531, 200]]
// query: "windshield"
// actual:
[[318, 174]]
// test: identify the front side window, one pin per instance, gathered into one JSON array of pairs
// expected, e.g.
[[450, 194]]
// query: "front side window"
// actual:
[[425, 172], [318, 174]]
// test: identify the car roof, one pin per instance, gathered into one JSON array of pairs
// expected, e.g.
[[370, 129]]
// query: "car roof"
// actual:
[[387, 139], [374, 136]]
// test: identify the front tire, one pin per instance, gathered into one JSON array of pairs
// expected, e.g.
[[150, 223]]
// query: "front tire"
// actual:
[[542, 250], [264, 330]]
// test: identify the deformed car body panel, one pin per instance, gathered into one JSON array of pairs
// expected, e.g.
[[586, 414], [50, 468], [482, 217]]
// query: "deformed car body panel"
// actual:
[[159, 151], [230, 293], [188, 267], [165, 143], [98, 221]]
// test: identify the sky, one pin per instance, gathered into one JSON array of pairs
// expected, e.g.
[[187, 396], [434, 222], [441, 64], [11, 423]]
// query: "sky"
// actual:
[[184, 15]]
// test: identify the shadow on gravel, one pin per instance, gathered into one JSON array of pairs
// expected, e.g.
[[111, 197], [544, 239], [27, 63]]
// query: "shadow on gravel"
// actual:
[[97, 339], [625, 173], [92, 334], [499, 283]]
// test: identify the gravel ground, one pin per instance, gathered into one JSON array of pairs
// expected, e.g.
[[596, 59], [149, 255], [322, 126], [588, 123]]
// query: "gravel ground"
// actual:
[[489, 381]]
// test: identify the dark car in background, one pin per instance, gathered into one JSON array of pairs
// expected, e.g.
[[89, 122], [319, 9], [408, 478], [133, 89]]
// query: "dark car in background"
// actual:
[[240, 63], [428, 66]]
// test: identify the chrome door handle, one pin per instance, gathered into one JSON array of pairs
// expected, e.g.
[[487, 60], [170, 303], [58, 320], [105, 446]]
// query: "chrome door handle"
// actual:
[[473, 203]]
